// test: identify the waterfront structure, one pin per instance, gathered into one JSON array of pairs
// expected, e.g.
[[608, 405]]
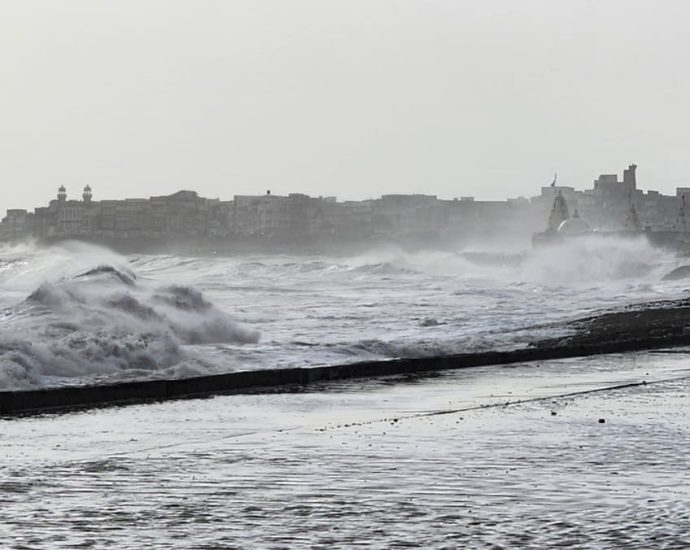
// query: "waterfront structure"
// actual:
[[610, 205], [16, 224], [273, 216], [559, 213]]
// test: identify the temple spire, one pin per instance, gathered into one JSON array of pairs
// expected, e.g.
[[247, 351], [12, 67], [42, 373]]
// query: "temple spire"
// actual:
[[559, 213]]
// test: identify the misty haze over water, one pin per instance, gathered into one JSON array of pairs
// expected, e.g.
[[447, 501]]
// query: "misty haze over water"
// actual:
[[170, 172], [76, 313]]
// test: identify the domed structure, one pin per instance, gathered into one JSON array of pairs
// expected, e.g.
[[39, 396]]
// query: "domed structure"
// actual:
[[87, 195], [575, 225]]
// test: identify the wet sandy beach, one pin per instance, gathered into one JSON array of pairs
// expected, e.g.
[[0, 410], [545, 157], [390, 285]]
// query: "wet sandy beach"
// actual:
[[487, 457]]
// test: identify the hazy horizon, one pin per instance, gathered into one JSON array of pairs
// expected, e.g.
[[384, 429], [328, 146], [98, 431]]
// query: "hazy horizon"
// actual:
[[354, 99]]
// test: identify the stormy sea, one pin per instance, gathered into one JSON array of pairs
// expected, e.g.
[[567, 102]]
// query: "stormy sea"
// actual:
[[76, 313], [586, 452]]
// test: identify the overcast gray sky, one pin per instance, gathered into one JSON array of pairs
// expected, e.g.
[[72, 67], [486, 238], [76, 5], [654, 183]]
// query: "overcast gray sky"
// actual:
[[353, 98]]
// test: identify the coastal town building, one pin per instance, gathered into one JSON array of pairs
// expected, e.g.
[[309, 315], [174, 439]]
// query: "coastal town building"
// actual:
[[16, 224], [607, 205]]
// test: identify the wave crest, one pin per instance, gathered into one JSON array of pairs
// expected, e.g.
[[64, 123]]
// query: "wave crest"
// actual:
[[103, 322]]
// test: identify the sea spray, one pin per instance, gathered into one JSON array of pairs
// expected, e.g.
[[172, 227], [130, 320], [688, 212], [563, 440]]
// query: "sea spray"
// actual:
[[596, 259], [77, 314], [102, 321]]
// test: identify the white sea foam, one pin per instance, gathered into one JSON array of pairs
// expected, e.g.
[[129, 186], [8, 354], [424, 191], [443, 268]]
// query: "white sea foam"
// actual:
[[102, 321], [78, 313], [595, 259]]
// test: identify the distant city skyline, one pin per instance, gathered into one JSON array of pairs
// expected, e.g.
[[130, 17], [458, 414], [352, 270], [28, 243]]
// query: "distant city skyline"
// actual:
[[612, 204], [76, 193], [352, 99]]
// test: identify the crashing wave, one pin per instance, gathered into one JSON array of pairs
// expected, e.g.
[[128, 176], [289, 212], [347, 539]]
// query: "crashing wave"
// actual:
[[102, 322], [126, 278], [591, 260]]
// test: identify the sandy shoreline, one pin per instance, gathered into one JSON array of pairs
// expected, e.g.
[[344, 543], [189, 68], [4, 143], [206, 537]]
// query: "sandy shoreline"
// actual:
[[490, 457]]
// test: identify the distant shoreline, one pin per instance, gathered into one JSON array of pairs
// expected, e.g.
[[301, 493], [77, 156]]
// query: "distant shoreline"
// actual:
[[222, 246]]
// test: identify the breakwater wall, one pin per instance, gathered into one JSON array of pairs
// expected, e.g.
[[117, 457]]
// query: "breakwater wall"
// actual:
[[14, 403]]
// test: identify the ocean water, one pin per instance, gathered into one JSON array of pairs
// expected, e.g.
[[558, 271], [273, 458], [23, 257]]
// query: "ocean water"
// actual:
[[583, 453], [76, 313]]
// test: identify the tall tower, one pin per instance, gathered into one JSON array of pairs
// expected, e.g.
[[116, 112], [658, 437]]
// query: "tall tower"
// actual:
[[629, 177], [87, 195], [62, 194]]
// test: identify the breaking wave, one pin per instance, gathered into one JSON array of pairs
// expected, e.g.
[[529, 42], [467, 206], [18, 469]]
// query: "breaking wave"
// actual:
[[596, 259], [103, 322], [76, 313]]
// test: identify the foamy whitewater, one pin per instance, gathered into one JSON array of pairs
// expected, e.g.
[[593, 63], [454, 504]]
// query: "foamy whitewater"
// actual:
[[77, 313]]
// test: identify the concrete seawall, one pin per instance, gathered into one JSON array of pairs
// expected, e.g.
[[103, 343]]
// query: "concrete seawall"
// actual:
[[67, 398]]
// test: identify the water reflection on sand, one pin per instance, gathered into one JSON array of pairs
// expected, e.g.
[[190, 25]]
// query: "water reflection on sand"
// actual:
[[364, 463]]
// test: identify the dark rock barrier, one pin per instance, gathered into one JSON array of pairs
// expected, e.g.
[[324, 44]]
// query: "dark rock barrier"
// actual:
[[651, 325]]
